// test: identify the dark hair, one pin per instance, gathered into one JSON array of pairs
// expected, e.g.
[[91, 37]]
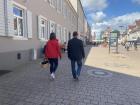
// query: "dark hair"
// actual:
[[52, 36], [75, 33]]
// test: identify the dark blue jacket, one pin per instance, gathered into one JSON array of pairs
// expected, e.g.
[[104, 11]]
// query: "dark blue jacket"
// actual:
[[75, 49]]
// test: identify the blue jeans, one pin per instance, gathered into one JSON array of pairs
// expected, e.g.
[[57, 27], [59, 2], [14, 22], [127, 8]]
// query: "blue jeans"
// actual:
[[76, 72], [53, 64]]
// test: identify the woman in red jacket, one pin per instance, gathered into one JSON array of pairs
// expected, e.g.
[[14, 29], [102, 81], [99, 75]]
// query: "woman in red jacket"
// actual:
[[52, 52]]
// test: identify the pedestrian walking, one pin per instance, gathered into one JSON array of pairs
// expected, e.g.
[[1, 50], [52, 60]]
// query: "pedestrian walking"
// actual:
[[127, 45], [64, 47], [76, 54], [52, 52], [135, 45]]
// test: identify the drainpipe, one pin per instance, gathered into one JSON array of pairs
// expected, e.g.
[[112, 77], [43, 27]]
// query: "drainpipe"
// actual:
[[6, 17]]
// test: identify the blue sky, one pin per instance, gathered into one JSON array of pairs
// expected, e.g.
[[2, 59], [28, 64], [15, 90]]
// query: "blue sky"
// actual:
[[121, 7], [112, 13]]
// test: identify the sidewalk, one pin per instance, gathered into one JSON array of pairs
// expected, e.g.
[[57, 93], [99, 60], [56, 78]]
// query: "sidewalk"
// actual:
[[30, 85]]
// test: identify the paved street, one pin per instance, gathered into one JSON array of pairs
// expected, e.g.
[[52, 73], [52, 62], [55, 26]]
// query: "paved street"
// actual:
[[126, 62], [31, 85]]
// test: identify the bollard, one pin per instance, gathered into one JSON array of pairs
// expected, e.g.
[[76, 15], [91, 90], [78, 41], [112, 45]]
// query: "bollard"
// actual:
[[34, 54]]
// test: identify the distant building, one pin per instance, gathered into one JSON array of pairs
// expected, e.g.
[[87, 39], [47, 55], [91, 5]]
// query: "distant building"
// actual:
[[134, 31], [101, 35], [89, 35], [94, 36], [106, 34]]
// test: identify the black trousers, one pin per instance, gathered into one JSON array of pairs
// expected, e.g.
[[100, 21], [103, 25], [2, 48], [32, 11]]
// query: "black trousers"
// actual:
[[53, 64]]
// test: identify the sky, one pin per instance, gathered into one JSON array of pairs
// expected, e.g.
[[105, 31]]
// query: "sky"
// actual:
[[111, 13]]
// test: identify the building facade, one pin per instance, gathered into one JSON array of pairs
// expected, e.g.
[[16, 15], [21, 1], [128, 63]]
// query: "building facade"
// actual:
[[25, 26], [106, 34], [133, 31], [83, 26], [81, 18]]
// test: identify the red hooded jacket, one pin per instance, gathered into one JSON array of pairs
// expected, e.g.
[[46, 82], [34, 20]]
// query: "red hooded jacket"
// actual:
[[52, 49]]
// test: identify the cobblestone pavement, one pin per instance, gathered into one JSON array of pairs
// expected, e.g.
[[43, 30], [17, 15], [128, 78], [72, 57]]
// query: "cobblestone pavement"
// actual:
[[30, 85]]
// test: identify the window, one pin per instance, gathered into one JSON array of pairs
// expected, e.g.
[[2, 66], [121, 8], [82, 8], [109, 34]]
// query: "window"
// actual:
[[43, 28], [21, 22], [18, 21], [59, 5], [52, 26], [53, 3]]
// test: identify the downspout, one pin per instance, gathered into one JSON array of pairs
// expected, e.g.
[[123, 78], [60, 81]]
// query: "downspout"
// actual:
[[6, 17]]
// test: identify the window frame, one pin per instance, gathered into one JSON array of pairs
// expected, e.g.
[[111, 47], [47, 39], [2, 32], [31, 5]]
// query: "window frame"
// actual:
[[46, 31], [17, 23], [43, 26], [24, 9], [52, 3], [54, 26]]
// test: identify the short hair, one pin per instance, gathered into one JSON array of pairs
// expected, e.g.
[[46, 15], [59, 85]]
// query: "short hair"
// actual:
[[52, 36], [75, 33]]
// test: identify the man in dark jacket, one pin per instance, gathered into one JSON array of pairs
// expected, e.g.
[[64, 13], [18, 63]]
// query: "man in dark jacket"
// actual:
[[76, 54]]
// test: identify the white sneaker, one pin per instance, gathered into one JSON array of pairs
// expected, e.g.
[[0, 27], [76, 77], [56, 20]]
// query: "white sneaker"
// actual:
[[53, 75]]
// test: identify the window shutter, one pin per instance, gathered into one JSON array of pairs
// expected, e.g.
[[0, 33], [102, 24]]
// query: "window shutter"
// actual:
[[9, 19], [51, 27], [61, 34], [2, 21], [46, 30], [57, 31], [39, 27], [29, 24], [62, 6], [64, 35]]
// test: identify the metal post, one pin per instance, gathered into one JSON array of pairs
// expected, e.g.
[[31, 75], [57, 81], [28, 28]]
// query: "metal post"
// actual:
[[117, 44]]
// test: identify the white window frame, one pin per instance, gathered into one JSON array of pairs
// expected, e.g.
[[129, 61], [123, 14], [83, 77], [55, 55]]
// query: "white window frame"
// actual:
[[19, 18], [52, 3], [45, 28], [52, 22], [24, 9]]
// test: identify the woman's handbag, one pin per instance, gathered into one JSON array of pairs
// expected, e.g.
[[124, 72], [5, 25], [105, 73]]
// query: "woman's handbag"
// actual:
[[45, 63]]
